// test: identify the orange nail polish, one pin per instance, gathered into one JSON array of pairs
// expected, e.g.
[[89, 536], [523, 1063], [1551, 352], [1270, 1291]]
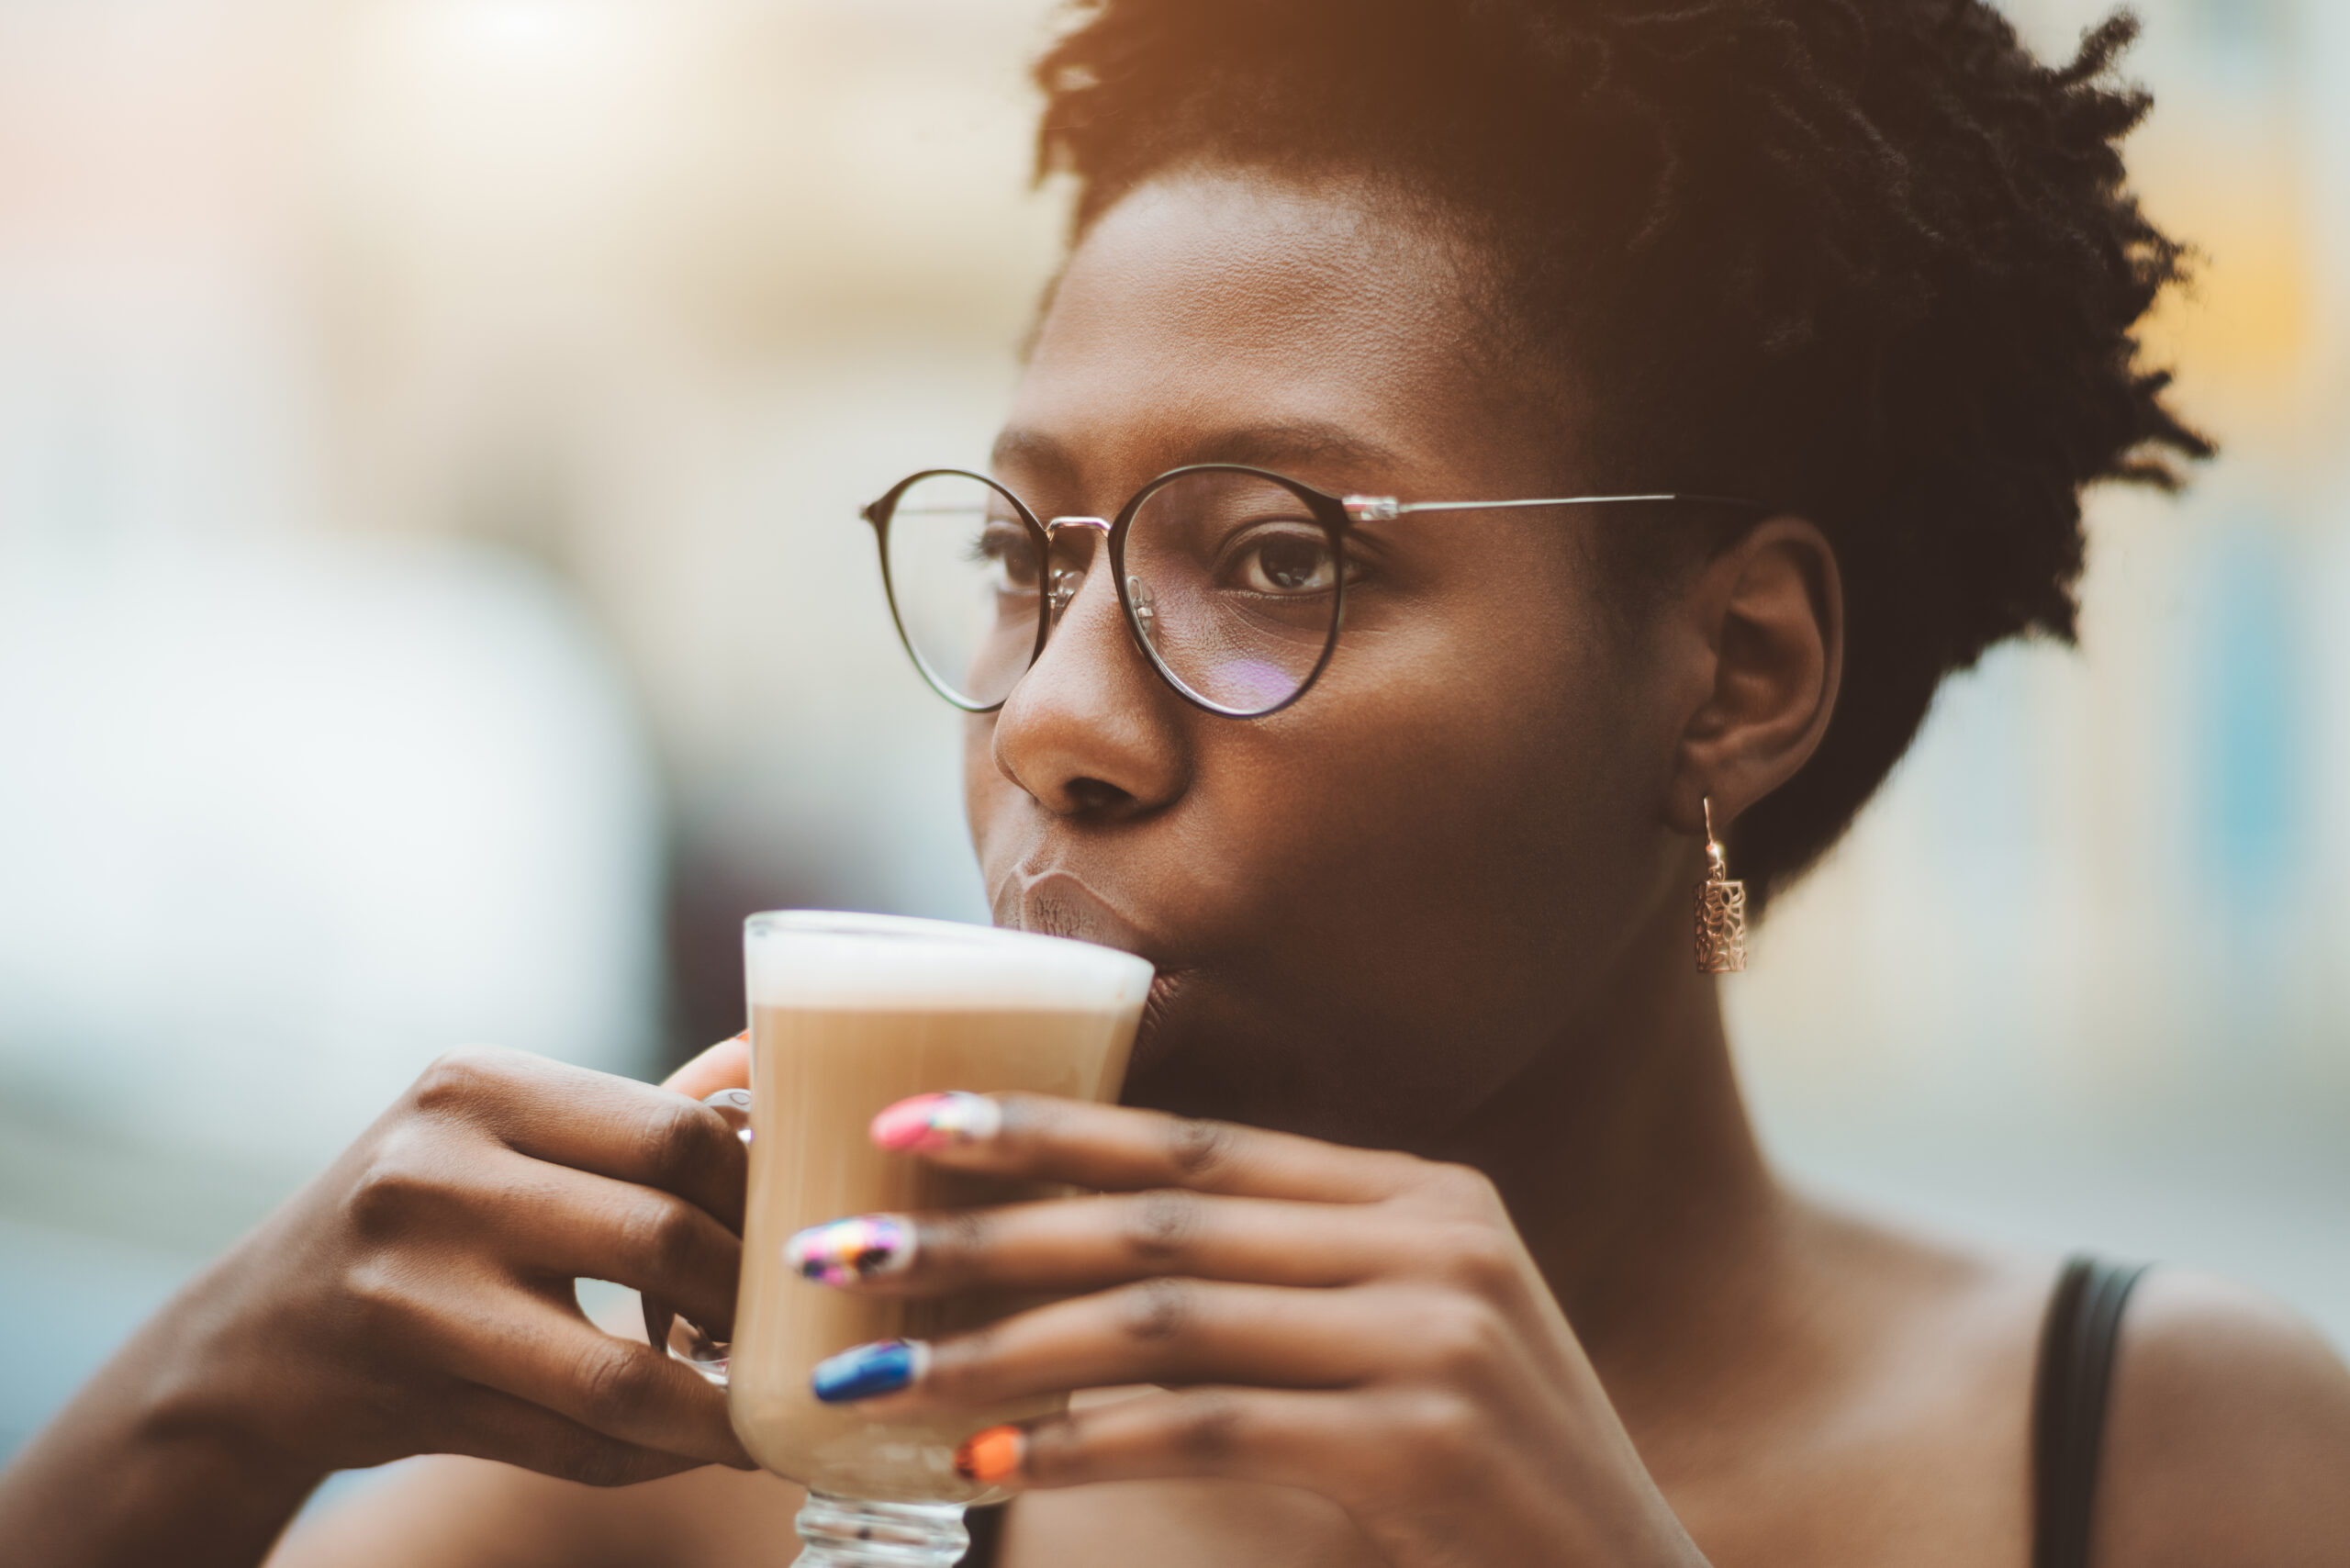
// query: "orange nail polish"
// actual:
[[990, 1456]]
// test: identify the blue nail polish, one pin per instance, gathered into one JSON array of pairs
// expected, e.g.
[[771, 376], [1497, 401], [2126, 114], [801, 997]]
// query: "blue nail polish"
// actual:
[[862, 1372]]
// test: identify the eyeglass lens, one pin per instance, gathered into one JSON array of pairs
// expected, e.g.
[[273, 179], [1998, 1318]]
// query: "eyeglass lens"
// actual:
[[963, 573], [1232, 579]]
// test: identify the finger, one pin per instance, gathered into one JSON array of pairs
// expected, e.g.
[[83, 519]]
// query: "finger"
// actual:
[[556, 1359], [1162, 1331], [596, 1122], [1275, 1435], [485, 1424], [1085, 1244], [577, 1225], [726, 1065], [1118, 1148]]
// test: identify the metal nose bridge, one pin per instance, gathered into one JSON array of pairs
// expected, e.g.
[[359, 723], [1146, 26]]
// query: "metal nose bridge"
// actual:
[[1063, 584]]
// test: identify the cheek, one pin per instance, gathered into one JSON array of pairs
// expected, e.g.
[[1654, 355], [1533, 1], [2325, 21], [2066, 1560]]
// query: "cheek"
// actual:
[[1453, 816], [1475, 784], [1425, 876]]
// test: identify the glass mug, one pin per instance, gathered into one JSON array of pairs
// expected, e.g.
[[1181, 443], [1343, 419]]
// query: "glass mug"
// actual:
[[851, 1014]]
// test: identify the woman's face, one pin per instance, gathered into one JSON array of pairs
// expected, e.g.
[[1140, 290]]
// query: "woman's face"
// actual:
[[1371, 910]]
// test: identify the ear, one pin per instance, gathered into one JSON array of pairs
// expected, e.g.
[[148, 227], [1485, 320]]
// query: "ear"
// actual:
[[1769, 616]]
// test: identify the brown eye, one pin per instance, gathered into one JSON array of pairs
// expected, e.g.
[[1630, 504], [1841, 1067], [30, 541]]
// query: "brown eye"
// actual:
[[1287, 564]]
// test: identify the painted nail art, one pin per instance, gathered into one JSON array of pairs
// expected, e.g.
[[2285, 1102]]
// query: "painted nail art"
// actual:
[[937, 1121], [992, 1455], [863, 1371], [847, 1250]]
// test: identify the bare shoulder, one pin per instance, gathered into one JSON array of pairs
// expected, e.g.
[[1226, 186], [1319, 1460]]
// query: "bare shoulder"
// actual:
[[2228, 1434]]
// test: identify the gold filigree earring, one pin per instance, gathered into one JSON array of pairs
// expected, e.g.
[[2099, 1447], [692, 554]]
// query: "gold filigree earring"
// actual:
[[1721, 911]]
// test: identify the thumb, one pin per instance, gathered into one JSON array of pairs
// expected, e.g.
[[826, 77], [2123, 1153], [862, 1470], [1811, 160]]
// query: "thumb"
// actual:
[[726, 1065]]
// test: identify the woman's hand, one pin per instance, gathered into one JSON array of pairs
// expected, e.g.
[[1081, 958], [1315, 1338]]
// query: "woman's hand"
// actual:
[[417, 1298], [1362, 1325]]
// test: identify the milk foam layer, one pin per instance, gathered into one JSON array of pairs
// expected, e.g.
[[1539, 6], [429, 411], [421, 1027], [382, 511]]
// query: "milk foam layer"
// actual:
[[807, 958]]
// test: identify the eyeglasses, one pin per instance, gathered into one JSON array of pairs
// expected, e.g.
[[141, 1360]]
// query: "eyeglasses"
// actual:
[[1233, 580]]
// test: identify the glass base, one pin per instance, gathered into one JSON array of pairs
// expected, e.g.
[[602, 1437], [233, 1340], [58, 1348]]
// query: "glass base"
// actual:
[[847, 1532]]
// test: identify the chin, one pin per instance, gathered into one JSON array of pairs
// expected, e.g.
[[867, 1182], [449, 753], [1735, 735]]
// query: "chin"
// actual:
[[1202, 1050]]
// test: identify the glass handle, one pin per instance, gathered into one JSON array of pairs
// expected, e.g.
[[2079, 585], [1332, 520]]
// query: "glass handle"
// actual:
[[686, 1341]]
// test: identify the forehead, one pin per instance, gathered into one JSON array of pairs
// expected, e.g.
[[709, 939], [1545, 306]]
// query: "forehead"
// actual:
[[1226, 316]]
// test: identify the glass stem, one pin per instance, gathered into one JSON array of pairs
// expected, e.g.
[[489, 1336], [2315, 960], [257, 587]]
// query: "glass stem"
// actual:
[[847, 1532]]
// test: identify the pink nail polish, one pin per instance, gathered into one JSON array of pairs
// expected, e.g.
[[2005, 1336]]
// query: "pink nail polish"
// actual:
[[928, 1122]]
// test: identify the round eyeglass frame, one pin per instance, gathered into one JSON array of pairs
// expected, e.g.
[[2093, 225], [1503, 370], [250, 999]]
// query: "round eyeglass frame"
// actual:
[[1329, 511], [1338, 516]]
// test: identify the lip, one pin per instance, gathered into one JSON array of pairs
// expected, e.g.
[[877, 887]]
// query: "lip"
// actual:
[[1057, 901]]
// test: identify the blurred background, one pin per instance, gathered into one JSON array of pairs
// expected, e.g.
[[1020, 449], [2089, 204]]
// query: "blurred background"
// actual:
[[432, 610]]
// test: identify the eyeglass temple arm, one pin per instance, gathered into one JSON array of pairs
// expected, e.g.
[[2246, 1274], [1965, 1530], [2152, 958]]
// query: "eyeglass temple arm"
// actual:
[[1386, 509]]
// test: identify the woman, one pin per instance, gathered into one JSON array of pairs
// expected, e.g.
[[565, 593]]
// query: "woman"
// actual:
[[1482, 1264]]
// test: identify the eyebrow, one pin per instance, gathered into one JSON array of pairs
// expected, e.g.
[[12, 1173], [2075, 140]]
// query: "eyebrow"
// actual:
[[1032, 449], [1259, 446]]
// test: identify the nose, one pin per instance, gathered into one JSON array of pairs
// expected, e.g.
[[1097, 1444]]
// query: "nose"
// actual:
[[1090, 731]]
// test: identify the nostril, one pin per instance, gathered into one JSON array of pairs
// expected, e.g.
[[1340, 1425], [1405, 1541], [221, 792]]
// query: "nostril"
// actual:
[[1096, 795]]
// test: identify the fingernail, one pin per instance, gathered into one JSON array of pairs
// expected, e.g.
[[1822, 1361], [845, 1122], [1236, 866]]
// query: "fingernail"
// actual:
[[937, 1121], [992, 1455], [862, 1372], [847, 1250]]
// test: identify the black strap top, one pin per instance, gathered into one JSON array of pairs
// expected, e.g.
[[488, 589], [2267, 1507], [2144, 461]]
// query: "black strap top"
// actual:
[[2076, 1345]]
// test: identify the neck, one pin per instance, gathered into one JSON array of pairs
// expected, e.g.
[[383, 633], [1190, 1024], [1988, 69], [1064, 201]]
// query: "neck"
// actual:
[[1626, 1159]]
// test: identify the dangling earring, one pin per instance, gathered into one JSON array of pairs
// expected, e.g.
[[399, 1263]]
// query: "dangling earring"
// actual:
[[1721, 911]]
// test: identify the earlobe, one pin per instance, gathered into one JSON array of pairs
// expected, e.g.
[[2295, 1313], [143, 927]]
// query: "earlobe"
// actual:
[[1771, 611]]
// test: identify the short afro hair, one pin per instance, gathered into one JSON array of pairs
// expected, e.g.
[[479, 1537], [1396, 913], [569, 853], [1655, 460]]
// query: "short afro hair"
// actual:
[[1868, 260]]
